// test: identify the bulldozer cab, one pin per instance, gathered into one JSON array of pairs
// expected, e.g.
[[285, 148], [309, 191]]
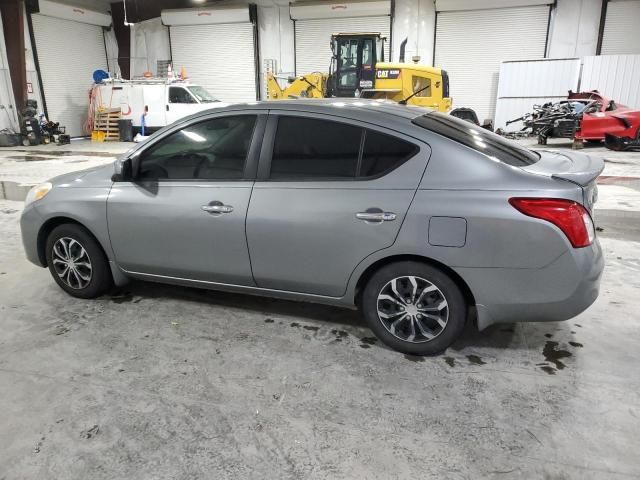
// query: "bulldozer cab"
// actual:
[[353, 63]]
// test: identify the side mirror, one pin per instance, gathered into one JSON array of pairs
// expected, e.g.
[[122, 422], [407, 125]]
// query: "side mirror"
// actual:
[[124, 171]]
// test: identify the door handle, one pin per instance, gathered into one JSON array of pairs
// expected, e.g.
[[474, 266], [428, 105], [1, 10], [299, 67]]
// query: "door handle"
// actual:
[[376, 216], [217, 208]]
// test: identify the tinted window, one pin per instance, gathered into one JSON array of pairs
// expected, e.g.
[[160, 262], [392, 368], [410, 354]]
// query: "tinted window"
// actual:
[[478, 138], [214, 149], [310, 148], [382, 153]]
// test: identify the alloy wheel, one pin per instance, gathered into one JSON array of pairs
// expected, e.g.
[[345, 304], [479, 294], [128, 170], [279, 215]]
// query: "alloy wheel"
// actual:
[[412, 309], [72, 263]]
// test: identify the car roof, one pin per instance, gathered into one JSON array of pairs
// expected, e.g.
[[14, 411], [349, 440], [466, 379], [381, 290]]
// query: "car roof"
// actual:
[[383, 113], [359, 109]]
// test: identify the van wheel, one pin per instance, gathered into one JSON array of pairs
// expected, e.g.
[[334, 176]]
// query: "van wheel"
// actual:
[[77, 263], [414, 308]]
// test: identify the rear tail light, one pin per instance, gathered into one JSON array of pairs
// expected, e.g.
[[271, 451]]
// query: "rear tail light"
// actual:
[[569, 216]]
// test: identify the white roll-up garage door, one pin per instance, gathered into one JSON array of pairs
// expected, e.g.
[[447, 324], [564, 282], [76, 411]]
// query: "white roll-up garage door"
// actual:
[[471, 44], [218, 57], [621, 33], [217, 48], [68, 54], [315, 22], [313, 39]]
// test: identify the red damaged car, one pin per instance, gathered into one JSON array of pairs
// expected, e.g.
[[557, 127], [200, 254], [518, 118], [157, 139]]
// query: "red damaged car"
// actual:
[[602, 115], [585, 116]]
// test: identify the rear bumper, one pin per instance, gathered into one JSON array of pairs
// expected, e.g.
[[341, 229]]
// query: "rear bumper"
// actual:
[[559, 291]]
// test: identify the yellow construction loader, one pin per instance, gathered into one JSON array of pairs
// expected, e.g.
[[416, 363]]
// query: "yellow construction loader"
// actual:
[[356, 72]]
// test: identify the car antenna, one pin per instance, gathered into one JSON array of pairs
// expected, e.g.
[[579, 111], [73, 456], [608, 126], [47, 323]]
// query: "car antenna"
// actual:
[[405, 100]]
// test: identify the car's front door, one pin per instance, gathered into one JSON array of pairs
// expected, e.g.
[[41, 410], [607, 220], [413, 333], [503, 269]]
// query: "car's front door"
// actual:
[[184, 215], [329, 193], [180, 103]]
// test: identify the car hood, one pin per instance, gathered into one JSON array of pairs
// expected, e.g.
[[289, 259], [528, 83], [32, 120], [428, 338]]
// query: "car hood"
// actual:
[[89, 178]]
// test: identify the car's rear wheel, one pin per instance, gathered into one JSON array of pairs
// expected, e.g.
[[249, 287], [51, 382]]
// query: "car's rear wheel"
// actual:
[[414, 308], [77, 263]]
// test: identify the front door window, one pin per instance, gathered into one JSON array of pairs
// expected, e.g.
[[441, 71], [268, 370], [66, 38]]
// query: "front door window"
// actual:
[[180, 95], [213, 149]]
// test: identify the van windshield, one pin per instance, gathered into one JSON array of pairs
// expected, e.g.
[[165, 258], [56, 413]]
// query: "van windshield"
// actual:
[[477, 138], [201, 94]]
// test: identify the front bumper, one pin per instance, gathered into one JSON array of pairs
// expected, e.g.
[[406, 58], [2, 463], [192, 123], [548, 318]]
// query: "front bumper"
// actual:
[[559, 291], [30, 223]]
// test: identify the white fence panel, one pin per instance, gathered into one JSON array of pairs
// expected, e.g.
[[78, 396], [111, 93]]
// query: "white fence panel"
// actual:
[[615, 76], [523, 84]]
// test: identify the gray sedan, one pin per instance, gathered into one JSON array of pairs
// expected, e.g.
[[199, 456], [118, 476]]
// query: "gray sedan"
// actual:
[[417, 218]]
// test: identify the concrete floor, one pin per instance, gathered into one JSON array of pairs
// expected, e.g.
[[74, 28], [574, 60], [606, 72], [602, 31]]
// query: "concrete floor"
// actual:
[[163, 382], [23, 167]]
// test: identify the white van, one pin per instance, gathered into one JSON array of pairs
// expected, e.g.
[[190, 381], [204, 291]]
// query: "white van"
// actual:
[[158, 100]]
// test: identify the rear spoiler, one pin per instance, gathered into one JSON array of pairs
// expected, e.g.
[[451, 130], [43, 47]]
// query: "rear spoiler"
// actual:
[[585, 170], [577, 168], [581, 178]]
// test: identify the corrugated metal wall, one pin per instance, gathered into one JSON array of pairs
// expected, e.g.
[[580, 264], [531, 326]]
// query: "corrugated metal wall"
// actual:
[[525, 84], [313, 39], [616, 76]]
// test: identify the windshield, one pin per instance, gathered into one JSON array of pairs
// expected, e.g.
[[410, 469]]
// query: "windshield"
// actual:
[[201, 94], [578, 107], [479, 139]]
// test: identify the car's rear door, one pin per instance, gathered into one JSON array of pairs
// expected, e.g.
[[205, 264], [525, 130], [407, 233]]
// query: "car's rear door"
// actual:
[[185, 216], [329, 193]]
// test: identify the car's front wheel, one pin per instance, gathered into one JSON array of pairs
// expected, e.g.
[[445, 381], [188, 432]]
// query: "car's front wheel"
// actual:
[[77, 263], [414, 308]]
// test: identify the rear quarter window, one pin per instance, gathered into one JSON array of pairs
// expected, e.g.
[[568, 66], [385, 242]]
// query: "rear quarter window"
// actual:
[[479, 139], [383, 153]]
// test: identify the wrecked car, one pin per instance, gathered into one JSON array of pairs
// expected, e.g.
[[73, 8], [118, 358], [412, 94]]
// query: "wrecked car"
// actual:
[[584, 116]]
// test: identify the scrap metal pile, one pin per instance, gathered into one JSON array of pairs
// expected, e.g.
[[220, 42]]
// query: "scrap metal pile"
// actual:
[[560, 120], [583, 116]]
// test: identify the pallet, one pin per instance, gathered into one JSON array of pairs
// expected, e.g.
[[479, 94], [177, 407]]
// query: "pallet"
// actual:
[[106, 122]]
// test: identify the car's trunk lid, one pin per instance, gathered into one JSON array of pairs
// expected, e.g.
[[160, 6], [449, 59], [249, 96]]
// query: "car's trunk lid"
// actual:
[[578, 168]]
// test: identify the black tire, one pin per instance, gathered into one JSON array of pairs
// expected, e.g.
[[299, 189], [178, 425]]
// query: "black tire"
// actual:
[[456, 307], [99, 280]]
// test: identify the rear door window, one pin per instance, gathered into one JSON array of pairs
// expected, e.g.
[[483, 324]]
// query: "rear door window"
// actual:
[[312, 148], [309, 148], [479, 139]]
